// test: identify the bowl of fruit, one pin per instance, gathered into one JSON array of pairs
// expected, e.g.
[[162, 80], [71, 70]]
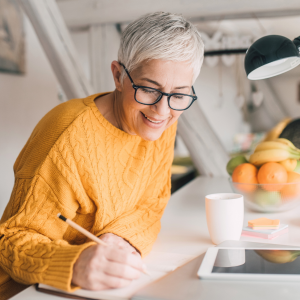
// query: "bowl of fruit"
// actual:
[[270, 179]]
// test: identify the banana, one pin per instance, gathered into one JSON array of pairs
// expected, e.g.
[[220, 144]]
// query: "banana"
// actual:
[[275, 155], [278, 256], [276, 131], [288, 143], [273, 145]]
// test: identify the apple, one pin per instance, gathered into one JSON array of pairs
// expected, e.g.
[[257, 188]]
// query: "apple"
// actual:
[[266, 198]]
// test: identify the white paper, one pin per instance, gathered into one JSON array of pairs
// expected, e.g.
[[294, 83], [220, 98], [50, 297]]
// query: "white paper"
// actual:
[[158, 264]]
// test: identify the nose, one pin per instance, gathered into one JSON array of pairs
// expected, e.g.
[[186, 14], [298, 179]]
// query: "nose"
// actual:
[[161, 107]]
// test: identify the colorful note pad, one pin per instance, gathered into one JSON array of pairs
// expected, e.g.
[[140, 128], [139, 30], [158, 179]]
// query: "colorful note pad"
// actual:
[[263, 224], [265, 234]]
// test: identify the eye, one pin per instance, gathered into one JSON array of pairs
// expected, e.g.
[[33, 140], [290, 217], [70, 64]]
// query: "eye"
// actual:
[[148, 91], [178, 97]]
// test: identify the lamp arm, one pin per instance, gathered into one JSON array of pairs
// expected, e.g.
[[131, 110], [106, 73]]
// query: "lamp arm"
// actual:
[[296, 41]]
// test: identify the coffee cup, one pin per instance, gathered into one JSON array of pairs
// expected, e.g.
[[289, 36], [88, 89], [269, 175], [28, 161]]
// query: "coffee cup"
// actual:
[[224, 216]]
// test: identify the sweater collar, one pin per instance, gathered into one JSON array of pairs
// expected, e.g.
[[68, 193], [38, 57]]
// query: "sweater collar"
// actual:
[[90, 101]]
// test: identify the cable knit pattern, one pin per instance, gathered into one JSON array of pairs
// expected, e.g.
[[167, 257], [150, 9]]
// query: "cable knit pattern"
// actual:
[[77, 163]]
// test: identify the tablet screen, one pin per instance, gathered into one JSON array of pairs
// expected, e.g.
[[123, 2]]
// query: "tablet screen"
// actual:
[[257, 261]]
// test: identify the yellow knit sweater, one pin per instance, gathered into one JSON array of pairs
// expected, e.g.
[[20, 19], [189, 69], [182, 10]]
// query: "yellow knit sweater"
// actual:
[[78, 164]]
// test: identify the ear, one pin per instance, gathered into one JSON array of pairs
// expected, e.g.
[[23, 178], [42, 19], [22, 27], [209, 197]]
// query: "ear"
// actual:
[[116, 70]]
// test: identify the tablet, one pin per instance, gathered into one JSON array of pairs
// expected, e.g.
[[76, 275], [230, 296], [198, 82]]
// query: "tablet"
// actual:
[[251, 264]]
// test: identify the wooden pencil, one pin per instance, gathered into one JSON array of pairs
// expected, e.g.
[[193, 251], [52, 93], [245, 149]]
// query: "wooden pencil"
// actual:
[[82, 230], [86, 233]]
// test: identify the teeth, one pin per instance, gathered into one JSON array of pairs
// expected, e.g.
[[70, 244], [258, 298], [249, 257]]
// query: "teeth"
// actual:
[[156, 122]]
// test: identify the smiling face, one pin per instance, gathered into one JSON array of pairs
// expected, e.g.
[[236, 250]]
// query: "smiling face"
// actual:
[[150, 121]]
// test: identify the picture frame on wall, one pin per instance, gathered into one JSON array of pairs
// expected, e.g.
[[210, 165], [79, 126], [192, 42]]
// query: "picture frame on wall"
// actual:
[[12, 39]]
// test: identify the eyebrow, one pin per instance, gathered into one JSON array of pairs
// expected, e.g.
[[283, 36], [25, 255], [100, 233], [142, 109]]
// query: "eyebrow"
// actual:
[[159, 85]]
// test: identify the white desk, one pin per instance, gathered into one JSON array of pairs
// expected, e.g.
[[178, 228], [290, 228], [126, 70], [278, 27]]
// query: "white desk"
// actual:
[[184, 229]]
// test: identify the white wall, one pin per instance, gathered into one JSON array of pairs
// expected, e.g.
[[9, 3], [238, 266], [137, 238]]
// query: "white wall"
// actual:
[[81, 40], [286, 87], [104, 41], [222, 113], [24, 100]]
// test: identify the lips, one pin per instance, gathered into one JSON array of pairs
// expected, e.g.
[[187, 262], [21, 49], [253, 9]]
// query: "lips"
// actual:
[[153, 120]]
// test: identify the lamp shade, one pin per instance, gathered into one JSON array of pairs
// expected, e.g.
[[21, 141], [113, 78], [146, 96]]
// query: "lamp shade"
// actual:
[[271, 55]]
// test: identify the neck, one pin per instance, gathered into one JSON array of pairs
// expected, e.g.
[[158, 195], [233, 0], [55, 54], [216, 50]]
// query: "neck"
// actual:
[[117, 109], [111, 108]]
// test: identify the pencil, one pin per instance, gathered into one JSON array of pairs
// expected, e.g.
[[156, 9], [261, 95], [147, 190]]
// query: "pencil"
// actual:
[[86, 233], [82, 230]]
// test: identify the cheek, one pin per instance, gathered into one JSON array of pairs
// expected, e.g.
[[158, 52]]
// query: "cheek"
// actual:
[[131, 107], [175, 115], [128, 95]]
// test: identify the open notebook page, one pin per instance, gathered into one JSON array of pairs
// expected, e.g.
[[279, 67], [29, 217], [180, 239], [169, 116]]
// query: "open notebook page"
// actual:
[[158, 265]]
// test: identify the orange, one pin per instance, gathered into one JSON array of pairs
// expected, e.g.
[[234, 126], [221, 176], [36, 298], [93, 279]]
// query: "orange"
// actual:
[[272, 173], [292, 190], [245, 173]]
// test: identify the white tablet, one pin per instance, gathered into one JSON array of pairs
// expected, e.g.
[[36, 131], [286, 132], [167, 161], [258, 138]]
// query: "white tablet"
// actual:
[[251, 264]]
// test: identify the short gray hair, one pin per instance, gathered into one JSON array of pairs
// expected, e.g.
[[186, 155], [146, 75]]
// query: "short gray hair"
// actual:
[[163, 36]]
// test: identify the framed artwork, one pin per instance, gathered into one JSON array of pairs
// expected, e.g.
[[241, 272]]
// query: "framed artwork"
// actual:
[[12, 42]]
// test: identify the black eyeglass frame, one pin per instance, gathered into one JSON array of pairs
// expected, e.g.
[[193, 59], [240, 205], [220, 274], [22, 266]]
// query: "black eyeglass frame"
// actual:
[[136, 87]]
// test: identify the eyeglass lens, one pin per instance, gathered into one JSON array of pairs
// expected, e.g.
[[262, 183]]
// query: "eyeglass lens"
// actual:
[[149, 96]]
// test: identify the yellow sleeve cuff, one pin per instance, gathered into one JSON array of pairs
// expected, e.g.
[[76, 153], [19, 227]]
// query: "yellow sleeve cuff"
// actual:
[[60, 271]]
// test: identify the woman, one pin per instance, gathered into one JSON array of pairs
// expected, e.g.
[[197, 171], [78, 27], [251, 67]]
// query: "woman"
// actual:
[[104, 162]]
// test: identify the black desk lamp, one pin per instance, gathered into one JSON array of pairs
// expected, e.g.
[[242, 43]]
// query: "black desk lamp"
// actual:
[[271, 55]]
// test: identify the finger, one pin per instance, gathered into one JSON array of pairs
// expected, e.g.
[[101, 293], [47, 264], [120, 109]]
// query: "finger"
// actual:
[[111, 238], [115, 282], [130, 247], [127, 247], [121, 270], [124, 257], [94, 286], [108, 238], [99, 280]]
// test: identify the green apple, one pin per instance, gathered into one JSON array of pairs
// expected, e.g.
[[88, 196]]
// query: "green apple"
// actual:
[[234, 162], [266, 198]]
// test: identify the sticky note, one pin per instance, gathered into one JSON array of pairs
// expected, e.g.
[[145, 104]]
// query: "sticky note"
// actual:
[[263, 223], [265, 234]]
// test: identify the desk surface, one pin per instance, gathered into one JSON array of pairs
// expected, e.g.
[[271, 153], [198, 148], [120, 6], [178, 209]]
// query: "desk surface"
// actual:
[[184, 229]]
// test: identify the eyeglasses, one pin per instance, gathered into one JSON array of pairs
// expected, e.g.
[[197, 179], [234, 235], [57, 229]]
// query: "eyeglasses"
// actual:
[[149, 96]]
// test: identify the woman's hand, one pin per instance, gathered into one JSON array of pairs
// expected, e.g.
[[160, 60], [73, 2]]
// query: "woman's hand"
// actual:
[[104, 267], [112, 239]]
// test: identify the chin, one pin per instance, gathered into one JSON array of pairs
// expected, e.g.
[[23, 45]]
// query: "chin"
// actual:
[[150, 136]]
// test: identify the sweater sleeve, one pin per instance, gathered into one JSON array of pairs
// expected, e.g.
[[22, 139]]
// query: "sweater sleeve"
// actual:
[[32, 249], [141, 225]]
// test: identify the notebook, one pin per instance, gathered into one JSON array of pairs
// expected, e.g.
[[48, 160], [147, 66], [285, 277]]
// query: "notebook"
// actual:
[[158, 264]]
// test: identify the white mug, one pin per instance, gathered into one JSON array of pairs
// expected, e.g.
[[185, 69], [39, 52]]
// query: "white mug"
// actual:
[[224, 216]]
